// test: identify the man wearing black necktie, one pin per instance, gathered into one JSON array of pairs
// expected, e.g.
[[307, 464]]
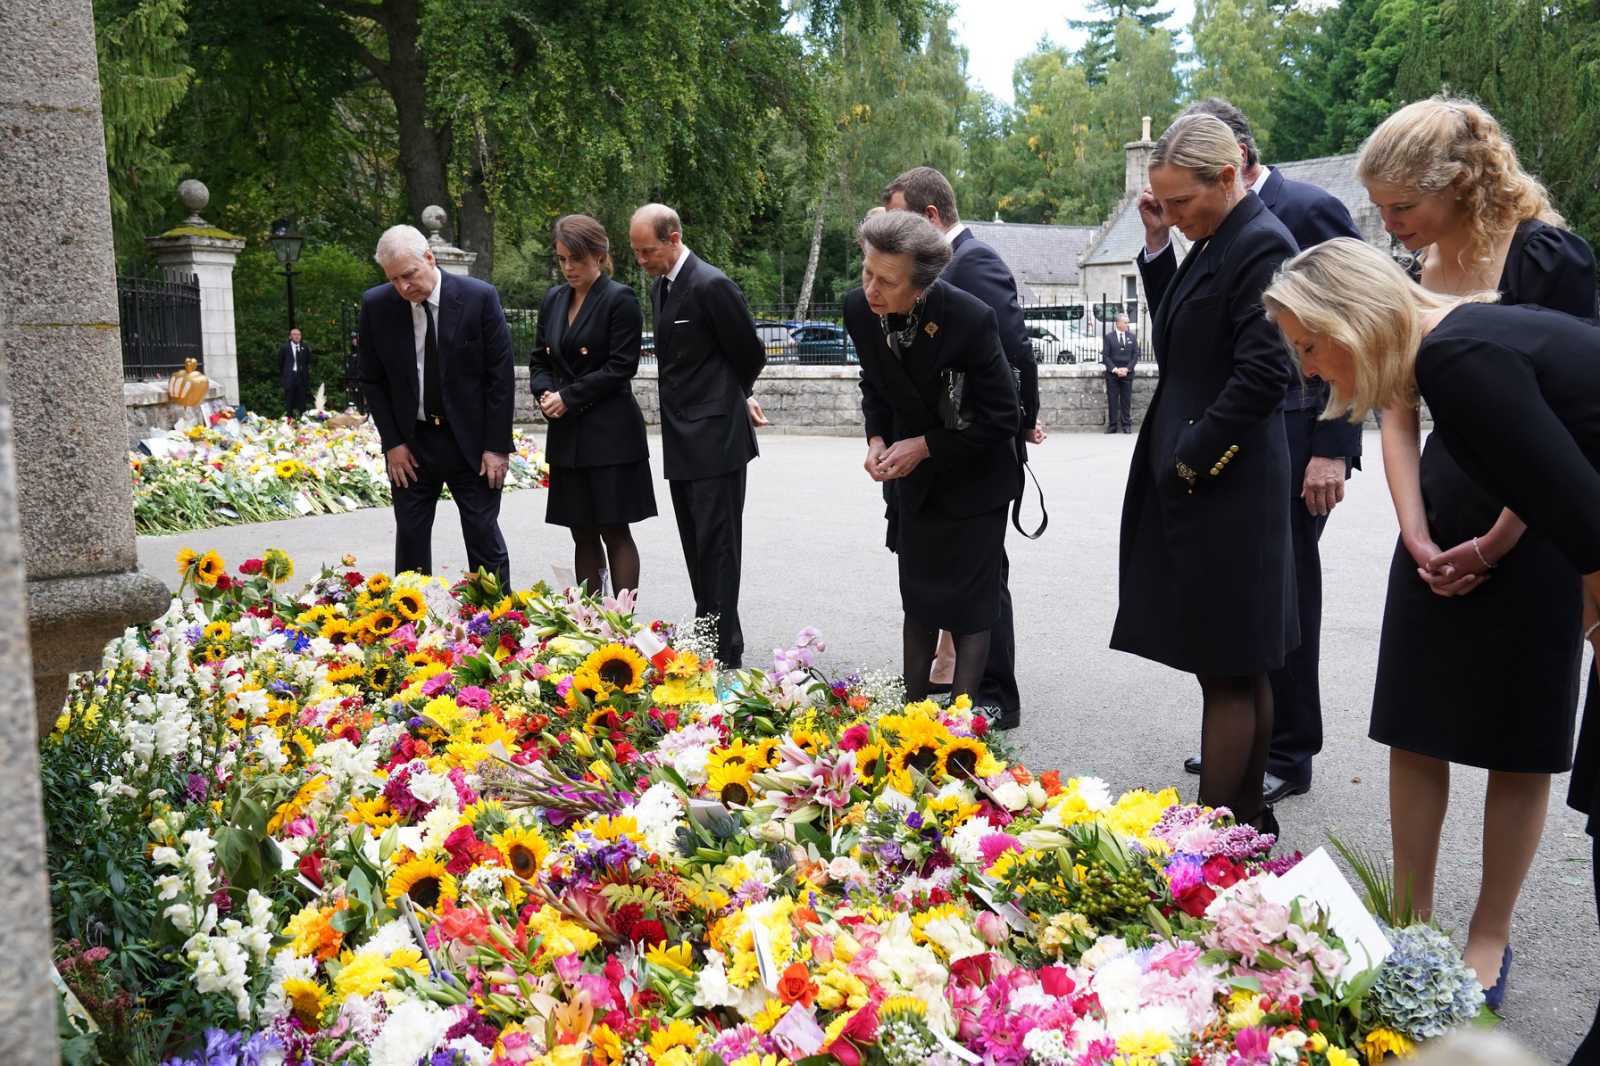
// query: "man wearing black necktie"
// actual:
[[1119, 351], [294, 373], [709, 356], [435, 360]]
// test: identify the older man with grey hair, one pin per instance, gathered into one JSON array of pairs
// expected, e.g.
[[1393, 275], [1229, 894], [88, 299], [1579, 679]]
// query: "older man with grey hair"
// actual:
[[435, 359]]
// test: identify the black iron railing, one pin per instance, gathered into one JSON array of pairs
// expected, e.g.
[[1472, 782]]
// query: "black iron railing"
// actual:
[[160, 319]]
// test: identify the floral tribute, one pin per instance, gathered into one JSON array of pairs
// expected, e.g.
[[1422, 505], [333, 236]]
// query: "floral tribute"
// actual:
[[229, 470], [389, 823]]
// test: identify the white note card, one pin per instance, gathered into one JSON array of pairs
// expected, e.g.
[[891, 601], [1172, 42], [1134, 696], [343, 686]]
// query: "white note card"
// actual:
[[1317, 878]]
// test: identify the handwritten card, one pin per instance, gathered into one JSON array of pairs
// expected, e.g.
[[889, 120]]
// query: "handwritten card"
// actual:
[[1317, 878]]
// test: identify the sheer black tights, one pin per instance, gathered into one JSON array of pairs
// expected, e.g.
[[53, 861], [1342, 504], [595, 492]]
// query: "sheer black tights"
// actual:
[[593, 548], [1235, 731], [972, 653]]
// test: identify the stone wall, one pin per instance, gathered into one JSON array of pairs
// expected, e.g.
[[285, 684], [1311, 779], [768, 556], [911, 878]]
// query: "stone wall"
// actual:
[[149, 413], [827, 399]]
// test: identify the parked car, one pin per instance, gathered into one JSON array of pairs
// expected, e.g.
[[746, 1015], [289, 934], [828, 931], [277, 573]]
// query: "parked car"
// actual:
[[1047, 346], [777, 337], [823, 342]]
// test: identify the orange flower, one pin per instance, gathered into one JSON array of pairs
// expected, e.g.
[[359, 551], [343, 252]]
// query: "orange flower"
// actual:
[[1020, 775], [796, 986], [1051, 780]]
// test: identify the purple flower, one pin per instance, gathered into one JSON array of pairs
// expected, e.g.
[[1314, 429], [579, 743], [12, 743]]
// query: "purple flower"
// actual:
[[479, 626], [195, 788], [914, 819]]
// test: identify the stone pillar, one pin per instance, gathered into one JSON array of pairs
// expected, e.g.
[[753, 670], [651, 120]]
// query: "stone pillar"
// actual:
[[451, 259], [63, 355], [199, 248]]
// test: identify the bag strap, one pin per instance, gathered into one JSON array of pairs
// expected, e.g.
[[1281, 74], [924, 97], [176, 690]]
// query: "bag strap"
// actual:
[[1016, 507]]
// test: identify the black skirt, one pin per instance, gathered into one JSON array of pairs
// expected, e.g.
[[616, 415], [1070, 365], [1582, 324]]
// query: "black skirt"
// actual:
[[1489, 679], [585, 497], [950, 567]]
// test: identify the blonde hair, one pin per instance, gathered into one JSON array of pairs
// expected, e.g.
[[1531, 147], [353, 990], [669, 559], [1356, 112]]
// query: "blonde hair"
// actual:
[[1201, 143], [1446, 141], [1350, 293]]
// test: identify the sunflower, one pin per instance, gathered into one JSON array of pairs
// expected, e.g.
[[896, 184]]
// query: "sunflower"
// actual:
[[219, 630], [381, 676], [378, 584], [277, 565], [765, 754], [679, 1034], [307, 1000], [382, 622], [920, 741], [425, 880], [603, 717], [812, 741], [338, 630], [186, 558], [287, 468], [409, 603], [341, 672], [869, 762], [487, 818], [209, 569], [737, 754], [373, 812], [730, 782], [523, 849], [615, 668], [214, 652], [965, 758]]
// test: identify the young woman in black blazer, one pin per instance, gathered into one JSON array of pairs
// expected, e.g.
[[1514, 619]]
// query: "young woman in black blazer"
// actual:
[[1458, 653], [1207, 579], [1514, 393], [942, 412], [584, 359]]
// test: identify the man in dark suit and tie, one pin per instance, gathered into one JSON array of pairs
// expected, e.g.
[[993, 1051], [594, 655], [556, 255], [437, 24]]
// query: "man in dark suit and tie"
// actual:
[[435, 359], [1119, 351], [709, 356], [976, 268], [1322, 454], [294, 373]]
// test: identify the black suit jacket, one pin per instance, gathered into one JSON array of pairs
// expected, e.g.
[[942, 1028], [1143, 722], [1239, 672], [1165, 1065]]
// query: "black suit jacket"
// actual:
[[1119, 350], [591, 364], [1313, 215], [969, 471], [475, 370], [288, 374], [709, 357], [976, 268]]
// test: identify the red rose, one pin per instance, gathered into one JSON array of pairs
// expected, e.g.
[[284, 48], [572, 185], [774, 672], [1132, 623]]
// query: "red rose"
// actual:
[[250, 566], [353, 579], [310, 866], [1196, 899], [1222, 871], [1056, 980], [796, 986], [974, 970]]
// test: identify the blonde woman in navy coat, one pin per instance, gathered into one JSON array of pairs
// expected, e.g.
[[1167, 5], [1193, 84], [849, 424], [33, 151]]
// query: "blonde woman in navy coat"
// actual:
[[1207, 580], [584, 360]]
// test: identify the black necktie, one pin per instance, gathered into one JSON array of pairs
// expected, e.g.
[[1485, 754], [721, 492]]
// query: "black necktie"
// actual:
[[432, 393], [666, 287]]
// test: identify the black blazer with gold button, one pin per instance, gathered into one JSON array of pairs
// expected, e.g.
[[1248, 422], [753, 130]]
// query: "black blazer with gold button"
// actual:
[[591, 363], [1207, 575]]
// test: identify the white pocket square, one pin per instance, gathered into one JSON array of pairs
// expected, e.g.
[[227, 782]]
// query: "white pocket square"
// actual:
[[680, 322]]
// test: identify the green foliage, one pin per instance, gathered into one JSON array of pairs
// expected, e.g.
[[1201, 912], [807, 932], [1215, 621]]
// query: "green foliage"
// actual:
[[1392, 904], [1103, 46], [1238, 49]]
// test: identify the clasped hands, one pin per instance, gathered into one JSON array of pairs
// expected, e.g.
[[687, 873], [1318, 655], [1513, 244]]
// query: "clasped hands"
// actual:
[[886, 462], [403, 467], [1455, 572]]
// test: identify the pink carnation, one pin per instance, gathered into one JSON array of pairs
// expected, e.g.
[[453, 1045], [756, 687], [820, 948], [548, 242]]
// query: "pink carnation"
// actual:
[[997, 844]]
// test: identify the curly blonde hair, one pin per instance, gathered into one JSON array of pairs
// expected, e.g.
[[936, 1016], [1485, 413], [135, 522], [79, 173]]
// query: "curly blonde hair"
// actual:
[[1446, 141]]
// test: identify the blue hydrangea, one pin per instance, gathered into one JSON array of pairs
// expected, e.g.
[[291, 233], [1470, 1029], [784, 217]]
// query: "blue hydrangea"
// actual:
[[1424, 988]]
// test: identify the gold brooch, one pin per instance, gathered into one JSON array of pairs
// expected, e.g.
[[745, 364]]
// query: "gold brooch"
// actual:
[[931, 328]]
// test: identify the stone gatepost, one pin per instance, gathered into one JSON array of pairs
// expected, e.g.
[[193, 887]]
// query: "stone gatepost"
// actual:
[[63, 358], [451, 259], [199, 248]]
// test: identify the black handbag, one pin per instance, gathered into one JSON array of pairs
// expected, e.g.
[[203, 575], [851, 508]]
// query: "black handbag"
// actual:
[[955, 413]]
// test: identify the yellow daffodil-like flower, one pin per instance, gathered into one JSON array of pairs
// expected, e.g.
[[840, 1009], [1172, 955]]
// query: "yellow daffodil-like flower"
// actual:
[[769, 1015], [372, 812], [677, 959], [1316, 1042], [218, 630], [209, 569], [378, 583], [1381, 1043], [730, 783], [615, 668], [425, 880], [361, 974], [307, 1000], [561, 937], [964, 759], [1147, 1044], [523, 850], [409, 604]]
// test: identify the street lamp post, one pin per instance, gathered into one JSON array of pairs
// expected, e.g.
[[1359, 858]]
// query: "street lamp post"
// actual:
[[286, 244]]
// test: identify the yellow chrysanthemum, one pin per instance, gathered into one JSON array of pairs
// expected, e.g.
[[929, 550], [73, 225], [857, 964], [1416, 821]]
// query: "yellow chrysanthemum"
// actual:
[[1381, 1043], [679, 1034], [769, 1015], [1147, 1044], [425, 880], [677, 958], [409, 603], [307, 1000], [209, 569], [523, 850], [607, 1045], [1338, 1056], [361, 974]]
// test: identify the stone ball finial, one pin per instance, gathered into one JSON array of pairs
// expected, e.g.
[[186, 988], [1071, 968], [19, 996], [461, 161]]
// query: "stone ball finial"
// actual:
[[434, 217], [195, 197]]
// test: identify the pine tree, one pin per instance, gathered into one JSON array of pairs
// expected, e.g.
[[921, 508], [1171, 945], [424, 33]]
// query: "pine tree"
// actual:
[[1101, 47]]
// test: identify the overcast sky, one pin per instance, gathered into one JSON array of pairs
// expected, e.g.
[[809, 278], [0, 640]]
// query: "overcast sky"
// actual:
[[997, 33]]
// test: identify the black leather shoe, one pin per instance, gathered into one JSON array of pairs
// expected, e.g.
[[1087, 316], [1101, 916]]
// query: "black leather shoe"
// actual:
[[1000, 718], [1275, 788], [1111, 429], [1192, 764]]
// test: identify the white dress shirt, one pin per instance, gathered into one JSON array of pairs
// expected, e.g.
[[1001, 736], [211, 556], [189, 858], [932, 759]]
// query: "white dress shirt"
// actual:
[[953, 232], [672, 275], [419, 331]]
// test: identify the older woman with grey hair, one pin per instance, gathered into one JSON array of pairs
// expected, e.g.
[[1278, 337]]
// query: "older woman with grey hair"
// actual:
[[941, 412]]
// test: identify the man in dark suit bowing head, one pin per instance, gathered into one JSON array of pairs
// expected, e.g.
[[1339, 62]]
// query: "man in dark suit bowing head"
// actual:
[[709, 356], [435, 361], [1322, 454], [977, 269]]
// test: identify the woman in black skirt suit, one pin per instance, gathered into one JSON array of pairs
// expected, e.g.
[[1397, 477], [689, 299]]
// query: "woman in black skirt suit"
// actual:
[[1514, 392], [1207, 580], [1462, 649], [585, 356], [941, 413]]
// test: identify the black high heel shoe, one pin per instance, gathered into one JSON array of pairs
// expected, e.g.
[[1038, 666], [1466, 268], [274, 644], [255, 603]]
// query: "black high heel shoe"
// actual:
[[1265, 822]]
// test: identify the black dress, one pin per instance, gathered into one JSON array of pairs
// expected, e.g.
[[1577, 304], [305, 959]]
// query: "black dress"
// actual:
[[948, 519], [1452, 671], [1206, 577], [599, 458]]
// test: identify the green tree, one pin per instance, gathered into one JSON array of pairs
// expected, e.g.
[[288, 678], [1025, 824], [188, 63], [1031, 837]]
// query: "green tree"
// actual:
[[1102, 47], [1239, 56]]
